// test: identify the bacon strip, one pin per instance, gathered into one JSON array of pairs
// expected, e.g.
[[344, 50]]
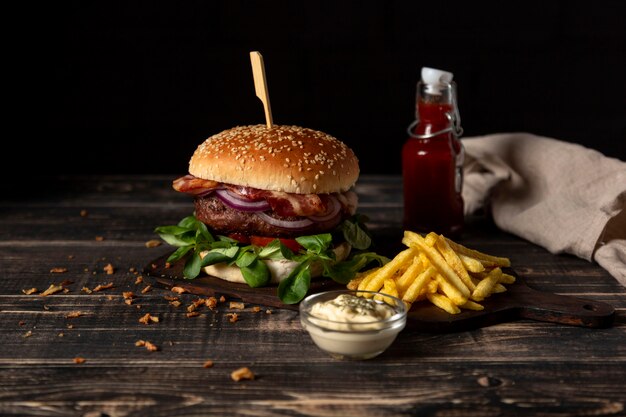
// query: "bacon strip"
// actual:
[[193, 185], [284, 204]]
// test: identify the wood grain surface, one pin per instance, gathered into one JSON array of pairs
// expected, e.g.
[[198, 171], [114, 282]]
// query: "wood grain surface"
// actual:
[[518, 368]]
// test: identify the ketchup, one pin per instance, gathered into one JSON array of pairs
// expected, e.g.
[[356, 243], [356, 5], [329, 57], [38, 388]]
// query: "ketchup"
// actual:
[[432, 159]]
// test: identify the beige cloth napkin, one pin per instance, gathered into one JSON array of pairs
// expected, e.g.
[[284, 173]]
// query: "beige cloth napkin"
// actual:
[[559, 195]]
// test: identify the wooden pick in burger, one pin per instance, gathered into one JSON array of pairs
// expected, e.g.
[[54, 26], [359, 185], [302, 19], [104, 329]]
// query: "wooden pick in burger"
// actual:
[[260, 85]]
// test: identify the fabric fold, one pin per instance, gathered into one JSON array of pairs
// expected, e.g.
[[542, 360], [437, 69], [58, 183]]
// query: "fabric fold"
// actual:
[[556, 194]]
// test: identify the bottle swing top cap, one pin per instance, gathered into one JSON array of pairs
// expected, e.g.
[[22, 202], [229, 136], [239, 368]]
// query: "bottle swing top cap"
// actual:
[[435, 80]]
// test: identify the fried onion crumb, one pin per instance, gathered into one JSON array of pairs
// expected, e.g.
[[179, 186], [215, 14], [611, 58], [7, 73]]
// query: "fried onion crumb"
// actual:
[[52, 289], [109, 269], [148, 345], [101, 287], [147, 319], [178, 290], [153, 243], [211, 302], [241, 374]]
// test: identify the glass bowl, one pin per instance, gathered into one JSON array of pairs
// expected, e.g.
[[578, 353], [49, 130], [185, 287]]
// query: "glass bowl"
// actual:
[[349, 339]]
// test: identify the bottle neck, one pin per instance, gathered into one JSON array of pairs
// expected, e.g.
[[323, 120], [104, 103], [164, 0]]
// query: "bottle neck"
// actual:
[[433, 113], [436, 110]]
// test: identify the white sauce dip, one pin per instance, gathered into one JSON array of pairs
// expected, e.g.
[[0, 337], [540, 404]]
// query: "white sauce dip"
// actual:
[[351, 327], [348, 312]]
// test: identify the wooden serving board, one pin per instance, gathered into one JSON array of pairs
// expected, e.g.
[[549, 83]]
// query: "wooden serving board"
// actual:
[[519, 302], [157, 274]]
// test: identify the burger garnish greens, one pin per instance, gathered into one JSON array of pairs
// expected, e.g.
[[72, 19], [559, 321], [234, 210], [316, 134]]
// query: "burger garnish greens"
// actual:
[[272, 205], [202, 249]]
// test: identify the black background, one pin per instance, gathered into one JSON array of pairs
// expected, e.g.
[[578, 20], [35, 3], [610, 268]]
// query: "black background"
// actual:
[[134, 87]]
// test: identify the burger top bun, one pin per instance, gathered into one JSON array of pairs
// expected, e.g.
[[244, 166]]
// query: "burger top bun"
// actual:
[[281, 158]]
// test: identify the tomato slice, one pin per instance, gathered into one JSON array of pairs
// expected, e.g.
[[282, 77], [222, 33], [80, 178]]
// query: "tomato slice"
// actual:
[[240, 237], [263, 241]]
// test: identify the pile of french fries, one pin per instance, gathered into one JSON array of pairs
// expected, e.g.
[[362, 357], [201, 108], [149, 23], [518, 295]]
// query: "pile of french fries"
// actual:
[[439, 270]]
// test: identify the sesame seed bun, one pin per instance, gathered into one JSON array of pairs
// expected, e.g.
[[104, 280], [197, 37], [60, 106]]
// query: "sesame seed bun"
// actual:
[[291, 159]]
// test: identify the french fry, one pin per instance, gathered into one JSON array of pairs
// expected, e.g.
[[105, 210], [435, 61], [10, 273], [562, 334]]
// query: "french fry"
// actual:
[[388, 270], [414, 289], [450, 290], [431, 238], [367, 277], [498, 288], [354, 282], [439, 270], [432, 287], [389, 288], [444, 303], [507, 279], [409, 275], [453, 260], [489, 264], [485, 287], [470, 305], [471, 264], [482, 257], [412, 239]]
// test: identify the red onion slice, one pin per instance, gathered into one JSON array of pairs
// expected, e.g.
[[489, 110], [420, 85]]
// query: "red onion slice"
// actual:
[[285, 224], [238, 203], [330, 214]]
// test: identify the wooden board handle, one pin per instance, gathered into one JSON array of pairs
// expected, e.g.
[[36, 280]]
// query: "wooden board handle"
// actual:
[[555, 308]]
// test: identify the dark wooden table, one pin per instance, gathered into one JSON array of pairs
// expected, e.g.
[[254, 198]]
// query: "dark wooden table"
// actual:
[[511, 369]]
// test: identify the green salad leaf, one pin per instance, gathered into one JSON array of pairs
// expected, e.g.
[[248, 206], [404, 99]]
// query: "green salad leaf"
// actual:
[[192, 238]]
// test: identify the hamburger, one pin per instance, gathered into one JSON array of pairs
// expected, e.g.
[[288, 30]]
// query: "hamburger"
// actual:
[[272, 205]]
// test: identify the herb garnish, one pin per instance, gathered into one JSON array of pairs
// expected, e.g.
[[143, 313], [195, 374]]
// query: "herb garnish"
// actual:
[[192, 237]]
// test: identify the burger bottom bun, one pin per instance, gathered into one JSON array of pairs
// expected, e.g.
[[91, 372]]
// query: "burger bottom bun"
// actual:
[[279, 268]]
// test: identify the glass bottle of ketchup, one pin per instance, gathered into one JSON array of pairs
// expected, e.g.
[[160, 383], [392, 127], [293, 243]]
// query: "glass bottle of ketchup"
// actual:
[[432, 158]]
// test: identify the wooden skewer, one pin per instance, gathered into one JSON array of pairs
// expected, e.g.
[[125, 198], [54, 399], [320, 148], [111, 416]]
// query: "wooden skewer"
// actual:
[[260, 85]]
